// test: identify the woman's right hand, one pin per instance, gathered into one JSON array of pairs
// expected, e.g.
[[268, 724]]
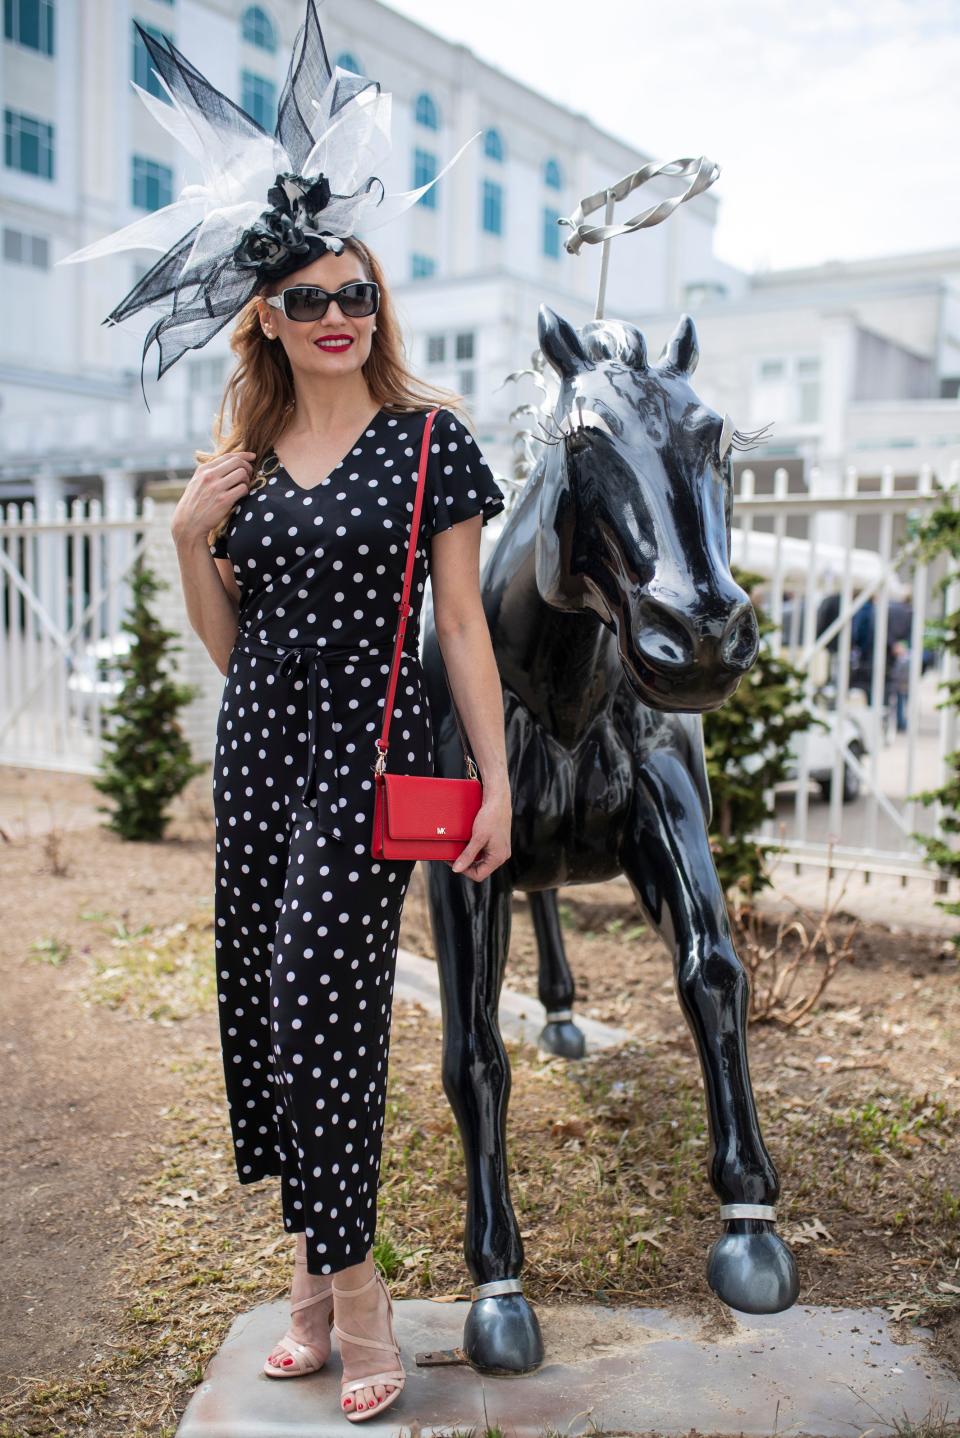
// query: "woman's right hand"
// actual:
[[213, 489]]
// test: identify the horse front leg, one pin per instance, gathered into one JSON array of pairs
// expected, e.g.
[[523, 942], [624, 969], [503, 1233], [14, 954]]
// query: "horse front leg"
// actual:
[[668, 862], [471, 932], [556, 989]]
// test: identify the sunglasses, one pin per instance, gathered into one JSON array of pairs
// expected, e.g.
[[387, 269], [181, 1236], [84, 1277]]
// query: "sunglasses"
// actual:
[[307, 302]]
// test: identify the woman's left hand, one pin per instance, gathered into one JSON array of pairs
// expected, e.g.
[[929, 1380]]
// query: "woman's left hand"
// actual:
[[489, 844]]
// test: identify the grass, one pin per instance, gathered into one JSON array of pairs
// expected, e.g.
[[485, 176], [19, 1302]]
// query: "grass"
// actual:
[[606, 1165], [163, 975]]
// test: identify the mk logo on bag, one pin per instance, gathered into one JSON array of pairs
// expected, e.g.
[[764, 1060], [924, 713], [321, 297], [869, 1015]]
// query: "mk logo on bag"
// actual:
[[441, 829]]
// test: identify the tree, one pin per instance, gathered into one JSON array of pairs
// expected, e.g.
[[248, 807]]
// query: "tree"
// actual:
[[146, 759], [748, 751]]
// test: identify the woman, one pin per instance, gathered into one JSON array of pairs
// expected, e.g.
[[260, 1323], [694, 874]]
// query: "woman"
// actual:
[[292, 544], [306, 508]]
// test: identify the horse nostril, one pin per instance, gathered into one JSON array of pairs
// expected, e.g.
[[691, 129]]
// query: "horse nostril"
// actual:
[[741, 640], [663, 640]]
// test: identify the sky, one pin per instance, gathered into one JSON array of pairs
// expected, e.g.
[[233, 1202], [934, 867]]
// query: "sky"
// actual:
[[836, 126]]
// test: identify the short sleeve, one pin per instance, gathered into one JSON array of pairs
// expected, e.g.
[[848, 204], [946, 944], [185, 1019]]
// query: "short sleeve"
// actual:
[[460, 481], [219, 546]]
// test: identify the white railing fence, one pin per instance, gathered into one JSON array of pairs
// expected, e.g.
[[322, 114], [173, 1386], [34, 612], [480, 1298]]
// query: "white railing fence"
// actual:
[[844, 613], [63, 593], [852, 616]]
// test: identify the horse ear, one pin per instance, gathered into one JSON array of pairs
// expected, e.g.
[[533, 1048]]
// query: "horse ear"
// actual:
[[681, 351], [633, 346], [560, 343]]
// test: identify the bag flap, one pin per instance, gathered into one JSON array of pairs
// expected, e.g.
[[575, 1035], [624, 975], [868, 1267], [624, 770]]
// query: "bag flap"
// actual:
[[419, 806]]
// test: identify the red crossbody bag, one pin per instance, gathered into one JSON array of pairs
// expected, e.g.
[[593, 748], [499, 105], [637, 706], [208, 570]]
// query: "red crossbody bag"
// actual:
[[418, 816]]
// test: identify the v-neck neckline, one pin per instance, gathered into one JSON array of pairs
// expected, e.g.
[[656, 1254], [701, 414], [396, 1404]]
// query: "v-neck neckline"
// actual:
[[309, 488]]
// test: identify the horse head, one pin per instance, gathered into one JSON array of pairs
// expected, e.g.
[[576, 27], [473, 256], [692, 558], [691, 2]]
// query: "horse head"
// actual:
[[635, 507]]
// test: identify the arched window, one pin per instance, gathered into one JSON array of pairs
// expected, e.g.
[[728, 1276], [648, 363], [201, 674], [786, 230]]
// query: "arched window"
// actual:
[[493, 145], [426, 113], [257, 27], [346, 61], [552, 175]]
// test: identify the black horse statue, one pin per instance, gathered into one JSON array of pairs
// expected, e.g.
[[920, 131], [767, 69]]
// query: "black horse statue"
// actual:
[[615, 621]]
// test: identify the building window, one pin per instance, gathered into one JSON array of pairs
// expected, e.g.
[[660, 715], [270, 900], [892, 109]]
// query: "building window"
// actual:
[[144, 74], [787, 390], [551, 232], [808, 390], [424, 170], [208, 373], [436, 349], [27, 144], [152, 184], [465, 383], [257, 28], [22, 249], [425, 112], [29, 23], [422, 266], [492, 207], [346, 61], [258, 96], [463, 346], [493, 145], [552, 175]]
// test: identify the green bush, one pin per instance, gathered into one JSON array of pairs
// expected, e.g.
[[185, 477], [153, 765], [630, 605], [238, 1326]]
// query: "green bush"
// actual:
[[146, 759], [747, 746], [938, 533]]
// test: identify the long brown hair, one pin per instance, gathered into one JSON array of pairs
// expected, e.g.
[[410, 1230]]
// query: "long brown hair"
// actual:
[[259, 395]]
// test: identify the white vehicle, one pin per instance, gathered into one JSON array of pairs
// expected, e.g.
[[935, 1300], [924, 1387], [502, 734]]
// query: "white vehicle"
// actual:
[[820, 746], [93, 669]]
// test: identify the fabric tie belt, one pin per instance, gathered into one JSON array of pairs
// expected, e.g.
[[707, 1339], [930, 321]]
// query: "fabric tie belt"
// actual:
[[312, 660]]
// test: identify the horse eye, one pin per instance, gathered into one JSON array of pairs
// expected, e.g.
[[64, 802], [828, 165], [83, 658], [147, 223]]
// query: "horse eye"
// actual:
[[580, 418], [726, 436]]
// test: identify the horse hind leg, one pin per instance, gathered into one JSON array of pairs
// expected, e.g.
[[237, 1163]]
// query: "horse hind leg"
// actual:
[[555, 984]]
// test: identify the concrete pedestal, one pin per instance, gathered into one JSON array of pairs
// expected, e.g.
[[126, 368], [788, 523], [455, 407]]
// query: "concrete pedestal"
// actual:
[[816, 1371]]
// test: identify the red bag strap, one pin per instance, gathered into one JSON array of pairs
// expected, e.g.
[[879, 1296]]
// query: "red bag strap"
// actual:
[[405, 609]]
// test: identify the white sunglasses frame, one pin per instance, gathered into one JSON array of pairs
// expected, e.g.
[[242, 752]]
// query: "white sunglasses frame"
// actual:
[[279, 301]]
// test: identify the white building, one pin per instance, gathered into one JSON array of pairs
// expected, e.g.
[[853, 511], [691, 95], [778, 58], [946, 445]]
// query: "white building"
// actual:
[[468, 265], [851, 362]]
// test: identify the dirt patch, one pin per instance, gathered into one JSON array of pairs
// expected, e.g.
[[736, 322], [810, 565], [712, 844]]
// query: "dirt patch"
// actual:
[[83, 1085]]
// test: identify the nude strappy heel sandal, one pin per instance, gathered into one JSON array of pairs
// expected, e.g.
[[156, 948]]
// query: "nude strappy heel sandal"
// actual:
[[307, 1357], [396, 1375]]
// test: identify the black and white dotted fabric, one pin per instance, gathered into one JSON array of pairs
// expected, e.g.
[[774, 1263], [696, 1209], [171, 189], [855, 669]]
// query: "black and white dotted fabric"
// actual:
[[306, 920]]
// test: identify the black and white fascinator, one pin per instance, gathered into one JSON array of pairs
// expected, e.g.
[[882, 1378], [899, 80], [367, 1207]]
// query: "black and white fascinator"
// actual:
[[218, 243]]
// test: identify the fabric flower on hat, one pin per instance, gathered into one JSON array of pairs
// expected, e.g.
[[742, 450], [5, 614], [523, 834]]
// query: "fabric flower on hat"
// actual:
[[217, 243]]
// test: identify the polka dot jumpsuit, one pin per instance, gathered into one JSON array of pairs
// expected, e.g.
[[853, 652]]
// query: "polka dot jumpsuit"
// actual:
[[306, 921]]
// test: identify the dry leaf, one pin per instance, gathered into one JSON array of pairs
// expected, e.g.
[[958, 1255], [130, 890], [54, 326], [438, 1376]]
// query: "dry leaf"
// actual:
[[810, 1232], [568, 1128], [650, 1238]]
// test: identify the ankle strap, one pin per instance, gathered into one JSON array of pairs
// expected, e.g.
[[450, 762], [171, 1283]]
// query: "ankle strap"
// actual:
[[362, 1289]]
